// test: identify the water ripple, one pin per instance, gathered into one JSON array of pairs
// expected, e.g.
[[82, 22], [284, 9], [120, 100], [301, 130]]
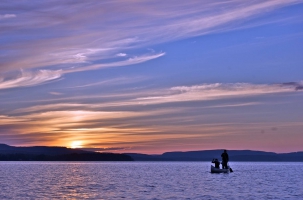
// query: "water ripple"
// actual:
[[148, 180]]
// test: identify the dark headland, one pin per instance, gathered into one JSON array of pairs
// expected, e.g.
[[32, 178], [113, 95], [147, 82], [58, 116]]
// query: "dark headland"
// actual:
[[234, 155], [42, 153]]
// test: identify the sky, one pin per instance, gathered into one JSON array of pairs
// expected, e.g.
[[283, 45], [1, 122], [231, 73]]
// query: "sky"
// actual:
[[152, 76]]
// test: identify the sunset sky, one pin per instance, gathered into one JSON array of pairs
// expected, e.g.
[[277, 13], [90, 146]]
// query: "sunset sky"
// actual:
[[152, 76]]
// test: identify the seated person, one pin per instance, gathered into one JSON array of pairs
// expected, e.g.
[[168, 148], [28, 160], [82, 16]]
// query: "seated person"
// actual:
[[217, 163]]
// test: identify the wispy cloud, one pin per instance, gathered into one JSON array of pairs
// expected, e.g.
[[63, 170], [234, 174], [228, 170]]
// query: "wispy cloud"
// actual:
[[114, 81], [26, 79], [55, 93], [130, 61], [121, 54], [216, 91], [203, 92], [6, 16]]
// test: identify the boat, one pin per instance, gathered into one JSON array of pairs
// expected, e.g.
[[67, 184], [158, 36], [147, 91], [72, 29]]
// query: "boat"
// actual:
[[217, 170]]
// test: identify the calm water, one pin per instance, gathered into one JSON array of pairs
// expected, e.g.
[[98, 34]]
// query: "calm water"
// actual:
[[149, 180]]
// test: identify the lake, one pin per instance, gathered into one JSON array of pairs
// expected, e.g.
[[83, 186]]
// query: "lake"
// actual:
[[149, 180]]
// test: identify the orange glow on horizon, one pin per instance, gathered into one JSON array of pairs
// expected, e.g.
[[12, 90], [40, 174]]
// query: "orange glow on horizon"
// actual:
[[76, 144]]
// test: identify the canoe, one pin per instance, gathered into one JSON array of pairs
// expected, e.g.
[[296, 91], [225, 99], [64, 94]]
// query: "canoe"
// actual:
[[216, 170]]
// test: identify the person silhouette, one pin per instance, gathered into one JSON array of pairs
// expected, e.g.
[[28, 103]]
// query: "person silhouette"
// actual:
[[217, 163], [225, 159]]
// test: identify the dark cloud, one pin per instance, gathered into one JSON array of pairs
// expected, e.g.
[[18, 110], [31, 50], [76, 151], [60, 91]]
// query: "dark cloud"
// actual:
[[297, 85], [300, 87], [103, 149]]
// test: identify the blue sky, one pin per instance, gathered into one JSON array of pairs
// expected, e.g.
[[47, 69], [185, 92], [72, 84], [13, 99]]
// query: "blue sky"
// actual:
[[152, 76]]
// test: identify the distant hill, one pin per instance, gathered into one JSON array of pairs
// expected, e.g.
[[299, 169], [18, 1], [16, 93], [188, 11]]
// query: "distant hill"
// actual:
[[208, 155], [42, 153], [6, 149]]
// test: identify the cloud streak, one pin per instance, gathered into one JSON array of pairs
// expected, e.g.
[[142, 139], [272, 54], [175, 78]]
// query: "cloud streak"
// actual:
[[27, 79], [6, 16], [203, 92], [130, 61], [215, 91]]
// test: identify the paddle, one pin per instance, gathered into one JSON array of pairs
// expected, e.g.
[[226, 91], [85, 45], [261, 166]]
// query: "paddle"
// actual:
[[230, 169]]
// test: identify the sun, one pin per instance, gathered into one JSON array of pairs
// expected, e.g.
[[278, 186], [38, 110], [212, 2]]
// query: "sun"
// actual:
[[76, 144]]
